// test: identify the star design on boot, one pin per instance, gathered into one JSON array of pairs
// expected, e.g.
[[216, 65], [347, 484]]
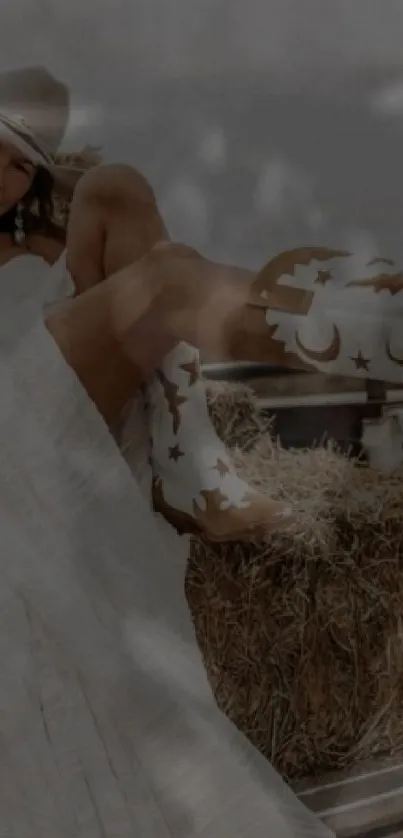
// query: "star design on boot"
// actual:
[[174, 400], [193, 369], [221, 467], [175, 453], [360, 362], [323, 277]]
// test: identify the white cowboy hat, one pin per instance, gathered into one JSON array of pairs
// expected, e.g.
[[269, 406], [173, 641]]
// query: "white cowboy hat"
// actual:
[[34, 110]]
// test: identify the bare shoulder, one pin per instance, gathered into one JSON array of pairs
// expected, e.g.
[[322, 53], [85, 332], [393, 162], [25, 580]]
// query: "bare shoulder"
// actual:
[[45, 246], [114, 180]]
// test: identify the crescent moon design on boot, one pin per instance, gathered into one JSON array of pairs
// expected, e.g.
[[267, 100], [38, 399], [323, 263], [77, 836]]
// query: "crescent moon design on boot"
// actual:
[[322, 357], [398, 361]]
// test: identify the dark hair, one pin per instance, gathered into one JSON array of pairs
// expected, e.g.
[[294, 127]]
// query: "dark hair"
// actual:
[[38, 209]]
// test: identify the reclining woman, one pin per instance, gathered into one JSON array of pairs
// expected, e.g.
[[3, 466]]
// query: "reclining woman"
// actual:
[[142, 308], [109, 724], [112, 264]]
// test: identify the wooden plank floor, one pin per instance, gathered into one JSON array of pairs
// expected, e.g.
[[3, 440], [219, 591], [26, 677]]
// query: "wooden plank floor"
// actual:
[[363, 802]]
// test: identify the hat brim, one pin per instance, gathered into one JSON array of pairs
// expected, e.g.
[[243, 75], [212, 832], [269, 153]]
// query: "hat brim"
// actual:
[[13, 138], [66, 177]]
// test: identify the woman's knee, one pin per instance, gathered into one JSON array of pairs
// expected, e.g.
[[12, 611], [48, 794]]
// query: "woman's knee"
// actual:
[[119, 203], [115, 183]]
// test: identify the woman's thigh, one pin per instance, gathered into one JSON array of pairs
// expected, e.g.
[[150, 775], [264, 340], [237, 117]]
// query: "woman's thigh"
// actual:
[[111, 370]]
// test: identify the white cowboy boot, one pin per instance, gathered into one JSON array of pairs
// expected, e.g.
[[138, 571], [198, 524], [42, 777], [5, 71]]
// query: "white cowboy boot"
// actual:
[[330, 310], [195, 486]]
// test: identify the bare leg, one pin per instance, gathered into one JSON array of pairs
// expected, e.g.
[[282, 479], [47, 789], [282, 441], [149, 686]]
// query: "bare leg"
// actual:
[[312, 308], [113, 222], [230, 313], [128, 310], [301, 311], [83, 329]]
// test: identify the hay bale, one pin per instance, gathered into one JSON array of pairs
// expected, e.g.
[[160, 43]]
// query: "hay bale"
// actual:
[[302, 638], [234, 415]]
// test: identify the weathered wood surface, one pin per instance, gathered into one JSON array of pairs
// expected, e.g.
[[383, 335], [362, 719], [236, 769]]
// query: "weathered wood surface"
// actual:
[[363, 802]]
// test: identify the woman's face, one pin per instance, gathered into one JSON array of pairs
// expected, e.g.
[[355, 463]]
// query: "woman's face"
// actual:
[[16, 176]]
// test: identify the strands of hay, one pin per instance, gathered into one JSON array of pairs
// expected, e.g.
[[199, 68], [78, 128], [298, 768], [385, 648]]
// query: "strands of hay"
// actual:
[[302, 638], [234, 415], [85, 160]]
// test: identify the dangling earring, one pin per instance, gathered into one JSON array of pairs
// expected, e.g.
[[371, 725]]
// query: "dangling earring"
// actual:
[[19, 233]]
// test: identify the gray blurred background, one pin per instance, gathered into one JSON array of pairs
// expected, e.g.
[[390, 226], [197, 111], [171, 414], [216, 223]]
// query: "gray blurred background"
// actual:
[[261, 124]]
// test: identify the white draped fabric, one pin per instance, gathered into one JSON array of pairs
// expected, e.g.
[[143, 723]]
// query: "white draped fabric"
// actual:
[[108, 728]]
